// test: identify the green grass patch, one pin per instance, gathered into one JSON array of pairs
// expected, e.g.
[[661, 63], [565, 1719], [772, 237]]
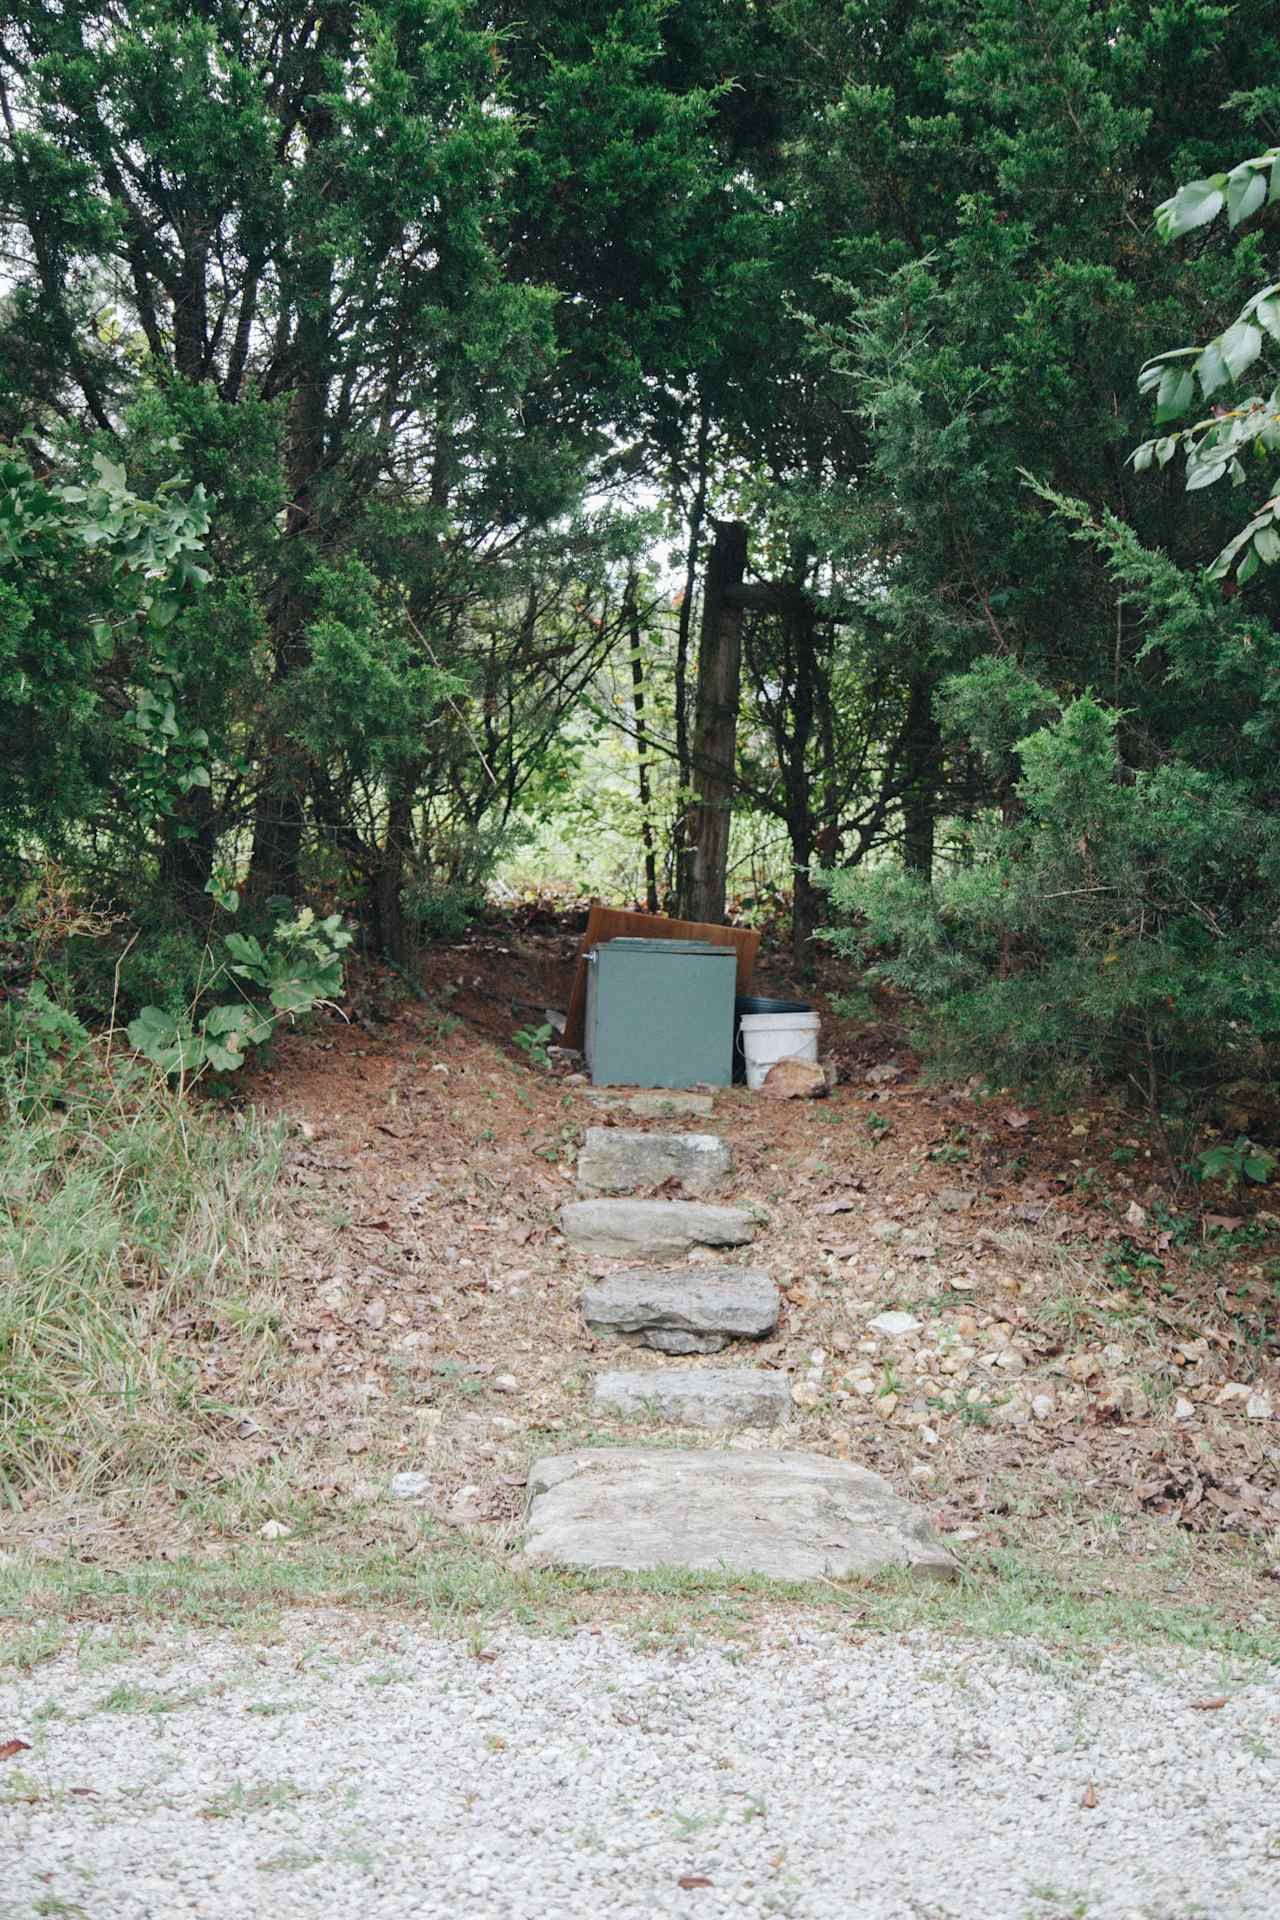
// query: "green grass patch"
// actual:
[[469, 1590]]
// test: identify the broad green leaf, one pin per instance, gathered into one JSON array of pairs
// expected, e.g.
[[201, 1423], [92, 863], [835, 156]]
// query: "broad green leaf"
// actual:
[[1212, 369], [223, 1058], [1192, 206], [1204, 476], [1267, 313], [1177, 391], [1266, 544], [1246, 191], [1248, 567], [1240, 346]]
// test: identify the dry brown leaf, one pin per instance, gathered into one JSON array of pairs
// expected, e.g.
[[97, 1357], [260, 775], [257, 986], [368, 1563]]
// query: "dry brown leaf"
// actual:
[[688, 1880], [1208, 1706], [1090, 1796], [9, 1747]]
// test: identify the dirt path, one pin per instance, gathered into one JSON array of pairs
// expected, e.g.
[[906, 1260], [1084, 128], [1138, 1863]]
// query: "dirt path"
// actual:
[[1078, 1384]]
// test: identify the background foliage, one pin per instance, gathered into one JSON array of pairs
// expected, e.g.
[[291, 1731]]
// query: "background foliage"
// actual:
[[374, 377]]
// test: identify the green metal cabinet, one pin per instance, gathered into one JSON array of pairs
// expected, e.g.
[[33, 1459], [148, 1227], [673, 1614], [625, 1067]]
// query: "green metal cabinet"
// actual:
[[660, 1013]]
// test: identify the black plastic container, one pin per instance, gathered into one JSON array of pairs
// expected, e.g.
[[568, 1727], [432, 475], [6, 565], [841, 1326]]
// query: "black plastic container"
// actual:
[[753, 1003]]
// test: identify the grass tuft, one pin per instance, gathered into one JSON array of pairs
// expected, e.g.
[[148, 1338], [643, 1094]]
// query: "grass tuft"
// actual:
[[123, 1213]]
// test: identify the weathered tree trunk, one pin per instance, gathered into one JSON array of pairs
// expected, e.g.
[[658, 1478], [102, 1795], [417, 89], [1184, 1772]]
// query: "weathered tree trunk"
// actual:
[[187, 851], [921, 753], [388, 911], [681, 831], [716, 726], [631, 608], [278, 824], [799, 784]]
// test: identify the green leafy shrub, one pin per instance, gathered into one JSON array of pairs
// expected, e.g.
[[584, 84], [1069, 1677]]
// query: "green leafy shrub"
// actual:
[[41, 1044], [443, 910], [1114, 923], [1236, 1163], [290, 972]]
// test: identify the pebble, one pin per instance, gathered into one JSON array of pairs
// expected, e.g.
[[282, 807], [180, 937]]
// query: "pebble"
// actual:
[[894, 1325]]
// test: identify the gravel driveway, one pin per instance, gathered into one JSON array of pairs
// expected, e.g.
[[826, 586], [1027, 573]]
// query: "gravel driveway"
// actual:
[[344, 1772]]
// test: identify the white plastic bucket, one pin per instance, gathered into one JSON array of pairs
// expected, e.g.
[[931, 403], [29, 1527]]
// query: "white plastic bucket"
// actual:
[[770, 1037]]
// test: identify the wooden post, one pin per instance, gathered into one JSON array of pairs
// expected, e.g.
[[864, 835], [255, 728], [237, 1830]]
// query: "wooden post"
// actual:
[[716, 723]]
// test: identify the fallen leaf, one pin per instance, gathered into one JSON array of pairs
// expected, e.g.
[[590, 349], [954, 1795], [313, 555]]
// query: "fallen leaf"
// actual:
[[1136, 1216], [694, 1880], [487, 1654], [1208, 1706], [1090, 1797], [836, 1206], [9, 1747], [1016, 1118]]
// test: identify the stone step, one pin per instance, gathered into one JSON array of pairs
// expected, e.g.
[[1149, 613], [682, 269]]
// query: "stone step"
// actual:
[[697, 1310], [789, 1516], [661, 1104], [620, 1159], [652, 1229], [717, 1398]]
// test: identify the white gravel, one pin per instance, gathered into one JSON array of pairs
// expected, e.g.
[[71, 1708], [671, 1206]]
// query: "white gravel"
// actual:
[[813, 1775]]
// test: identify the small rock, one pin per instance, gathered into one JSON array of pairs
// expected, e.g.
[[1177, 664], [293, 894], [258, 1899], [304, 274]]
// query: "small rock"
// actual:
[[1257, 1407], [806, 1394], [797, 1080], [883, 1076], [464, 1507], [954, 1200], [1183, 1409], [275, 1530], [885, 1230], [894, 1325], [505, 1383], [1042, 1405], [410, 1486]]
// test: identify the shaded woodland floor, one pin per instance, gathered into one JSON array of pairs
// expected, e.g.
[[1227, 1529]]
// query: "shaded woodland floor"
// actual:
[[1093, 1385]]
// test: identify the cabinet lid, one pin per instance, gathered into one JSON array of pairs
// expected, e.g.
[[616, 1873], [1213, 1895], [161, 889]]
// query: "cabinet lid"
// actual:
[[703, 949]]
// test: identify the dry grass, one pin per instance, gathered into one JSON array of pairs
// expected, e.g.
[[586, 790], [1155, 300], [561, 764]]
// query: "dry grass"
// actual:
[[131, 1215]]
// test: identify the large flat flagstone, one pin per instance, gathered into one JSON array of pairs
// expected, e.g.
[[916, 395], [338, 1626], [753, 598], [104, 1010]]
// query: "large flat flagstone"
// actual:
[[621, 1159], [791, 1516], [693, 1310], [652, 1229], [718, 1398]]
